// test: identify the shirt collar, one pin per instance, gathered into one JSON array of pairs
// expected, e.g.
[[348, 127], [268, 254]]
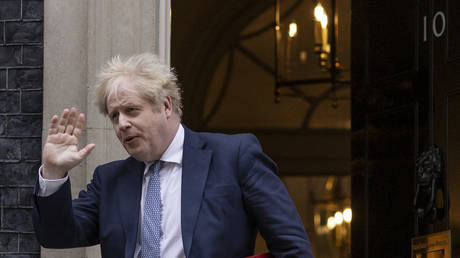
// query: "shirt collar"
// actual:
[[174, 151]]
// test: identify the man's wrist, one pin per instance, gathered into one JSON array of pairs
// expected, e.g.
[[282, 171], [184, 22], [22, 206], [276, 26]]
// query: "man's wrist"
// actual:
[[52, 174]]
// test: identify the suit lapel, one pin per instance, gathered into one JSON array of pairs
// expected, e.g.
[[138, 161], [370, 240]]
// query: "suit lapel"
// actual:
[[130, 189], [195, 166]]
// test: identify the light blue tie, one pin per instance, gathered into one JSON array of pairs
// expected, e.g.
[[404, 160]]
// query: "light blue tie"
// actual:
[[151, 226]]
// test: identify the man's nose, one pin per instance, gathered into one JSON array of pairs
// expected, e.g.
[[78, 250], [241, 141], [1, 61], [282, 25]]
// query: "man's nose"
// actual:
[[123, 122]]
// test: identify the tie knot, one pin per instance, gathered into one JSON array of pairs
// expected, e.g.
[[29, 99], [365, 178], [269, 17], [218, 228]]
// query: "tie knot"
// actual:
[[156, 166]]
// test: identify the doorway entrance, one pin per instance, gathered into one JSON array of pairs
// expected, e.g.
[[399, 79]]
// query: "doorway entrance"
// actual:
[[224, 54]]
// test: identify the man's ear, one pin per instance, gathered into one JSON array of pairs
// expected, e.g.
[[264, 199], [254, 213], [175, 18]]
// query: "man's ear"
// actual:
[[167, 104]]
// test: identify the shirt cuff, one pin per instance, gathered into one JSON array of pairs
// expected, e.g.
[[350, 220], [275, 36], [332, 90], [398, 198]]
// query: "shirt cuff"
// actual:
[[49, 186]]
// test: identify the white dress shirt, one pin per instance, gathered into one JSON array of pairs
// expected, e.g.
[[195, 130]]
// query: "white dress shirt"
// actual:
[[170, 183]]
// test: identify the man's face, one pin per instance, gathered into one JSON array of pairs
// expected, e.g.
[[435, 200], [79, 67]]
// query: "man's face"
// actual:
[[141, 127]]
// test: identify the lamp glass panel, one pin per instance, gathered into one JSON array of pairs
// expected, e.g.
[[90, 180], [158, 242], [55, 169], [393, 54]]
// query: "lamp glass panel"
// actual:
[[307, 54]]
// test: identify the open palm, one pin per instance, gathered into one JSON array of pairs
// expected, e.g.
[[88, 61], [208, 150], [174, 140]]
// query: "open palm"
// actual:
[[60, 152]]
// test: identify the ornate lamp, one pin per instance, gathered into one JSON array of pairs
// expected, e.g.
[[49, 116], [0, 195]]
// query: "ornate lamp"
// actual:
[[305, 46]]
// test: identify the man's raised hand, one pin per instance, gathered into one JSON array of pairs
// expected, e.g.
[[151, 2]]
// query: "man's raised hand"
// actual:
[[60, 152]]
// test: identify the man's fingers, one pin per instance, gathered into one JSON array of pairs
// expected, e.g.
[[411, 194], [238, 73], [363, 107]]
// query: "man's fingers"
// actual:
[[86, 150], [68, 123], [63, 121], [79, 126], [53, 125], [71, 121]]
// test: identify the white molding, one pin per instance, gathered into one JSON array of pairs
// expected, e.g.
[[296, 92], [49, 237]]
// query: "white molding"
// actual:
[[164, 42]]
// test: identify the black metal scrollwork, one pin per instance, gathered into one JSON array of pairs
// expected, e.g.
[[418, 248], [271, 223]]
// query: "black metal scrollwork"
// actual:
[[429, 170]]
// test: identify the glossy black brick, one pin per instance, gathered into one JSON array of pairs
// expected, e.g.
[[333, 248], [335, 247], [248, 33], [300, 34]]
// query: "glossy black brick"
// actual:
[[10, 56], [10, 149], [2, 79], [17, 179], [9, 101], [25, 196], [28, 243], [24, 32], [24, 125], [32, 9], [9, 196], [10, 9], [8, 242], [32, 102], [2, 125], [2, 33], [18, 173], [25, 78], [33, 55], [31, 148], [17, 219]]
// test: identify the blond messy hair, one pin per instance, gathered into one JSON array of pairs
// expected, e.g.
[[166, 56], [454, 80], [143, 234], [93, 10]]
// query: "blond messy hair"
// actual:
[[154, 80]]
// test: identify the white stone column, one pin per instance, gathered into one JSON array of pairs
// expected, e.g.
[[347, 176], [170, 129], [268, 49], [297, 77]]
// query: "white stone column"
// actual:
[[80, 36]]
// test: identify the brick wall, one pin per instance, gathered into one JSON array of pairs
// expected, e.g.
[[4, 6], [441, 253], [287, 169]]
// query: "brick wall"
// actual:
[[21, 105]]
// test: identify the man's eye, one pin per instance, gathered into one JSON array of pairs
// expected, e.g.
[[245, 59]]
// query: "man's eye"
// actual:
[[113, 116], [131, 109]]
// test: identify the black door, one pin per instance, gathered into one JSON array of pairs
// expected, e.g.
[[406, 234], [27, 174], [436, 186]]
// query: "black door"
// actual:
[[445, 35], [393, 120]]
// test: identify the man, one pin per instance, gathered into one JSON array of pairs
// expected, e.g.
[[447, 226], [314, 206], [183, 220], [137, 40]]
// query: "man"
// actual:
[[179, 194]]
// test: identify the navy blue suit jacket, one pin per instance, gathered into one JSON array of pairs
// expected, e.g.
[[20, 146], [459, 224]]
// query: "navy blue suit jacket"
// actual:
[[229, 188]]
